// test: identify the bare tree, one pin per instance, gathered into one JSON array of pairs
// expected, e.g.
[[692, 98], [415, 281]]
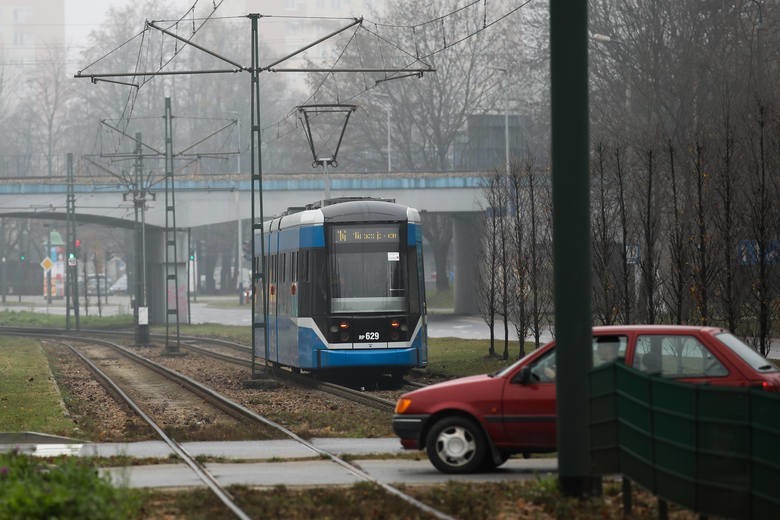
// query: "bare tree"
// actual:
[[627, 288], [677, 233], [762, 224], [649, 262], [519, 310], [490, 260], [49, 93], [702, 266], [604, 242], [540, 237]]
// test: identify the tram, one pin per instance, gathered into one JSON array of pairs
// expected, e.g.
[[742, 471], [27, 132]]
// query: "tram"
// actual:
[[345, 288]]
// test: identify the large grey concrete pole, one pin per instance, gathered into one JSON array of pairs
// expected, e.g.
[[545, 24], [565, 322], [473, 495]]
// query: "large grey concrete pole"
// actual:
[[571, 239]]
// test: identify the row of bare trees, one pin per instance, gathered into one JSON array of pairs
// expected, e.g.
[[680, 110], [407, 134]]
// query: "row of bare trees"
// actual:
[[688, 232], [683, 233], [684, 170], [515, 274]]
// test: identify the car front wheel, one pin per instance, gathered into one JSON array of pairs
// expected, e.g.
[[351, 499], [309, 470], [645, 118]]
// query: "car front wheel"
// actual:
[[456, 445]]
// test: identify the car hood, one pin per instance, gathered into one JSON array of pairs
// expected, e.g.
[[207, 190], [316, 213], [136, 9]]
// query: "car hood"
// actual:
[[444, 389]]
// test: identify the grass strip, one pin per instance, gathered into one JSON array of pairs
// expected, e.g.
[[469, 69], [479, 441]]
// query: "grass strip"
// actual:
[[29, 398]]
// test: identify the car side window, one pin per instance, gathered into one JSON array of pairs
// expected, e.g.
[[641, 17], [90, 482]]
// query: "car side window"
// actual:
[[676, 356], [543, 369], [608, 348]]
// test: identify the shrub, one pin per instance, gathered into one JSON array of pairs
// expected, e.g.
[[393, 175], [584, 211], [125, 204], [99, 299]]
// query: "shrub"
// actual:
[[30, 488]]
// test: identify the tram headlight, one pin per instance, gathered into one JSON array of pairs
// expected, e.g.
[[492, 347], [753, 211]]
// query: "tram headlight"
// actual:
[[342, 326]]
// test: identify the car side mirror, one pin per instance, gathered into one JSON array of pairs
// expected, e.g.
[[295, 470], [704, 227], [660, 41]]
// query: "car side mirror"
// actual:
[[523, 377]]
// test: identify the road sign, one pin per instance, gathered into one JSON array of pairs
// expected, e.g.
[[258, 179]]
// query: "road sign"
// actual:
[[47, 264]]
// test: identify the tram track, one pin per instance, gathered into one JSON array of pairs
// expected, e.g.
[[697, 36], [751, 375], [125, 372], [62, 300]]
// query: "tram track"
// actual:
[[213, 397], [196, 345]]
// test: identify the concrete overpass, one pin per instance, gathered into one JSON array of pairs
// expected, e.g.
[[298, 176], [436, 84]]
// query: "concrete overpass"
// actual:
[[210, 199]]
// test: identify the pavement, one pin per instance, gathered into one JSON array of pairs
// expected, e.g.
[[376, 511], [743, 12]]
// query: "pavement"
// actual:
[[268, 463]]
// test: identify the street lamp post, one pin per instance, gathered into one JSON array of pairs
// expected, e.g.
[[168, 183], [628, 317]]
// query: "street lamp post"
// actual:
[[506, 116], [389, 162], [5, 289]]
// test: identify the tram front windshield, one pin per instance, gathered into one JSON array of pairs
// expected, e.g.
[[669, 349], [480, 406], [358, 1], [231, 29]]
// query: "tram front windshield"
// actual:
[[367, 268]]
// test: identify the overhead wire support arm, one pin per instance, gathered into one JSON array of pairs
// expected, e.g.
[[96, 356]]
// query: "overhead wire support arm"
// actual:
[[99, 76], [190, 42], [112, 127], [409, 72], [95, 80], [356, 21]]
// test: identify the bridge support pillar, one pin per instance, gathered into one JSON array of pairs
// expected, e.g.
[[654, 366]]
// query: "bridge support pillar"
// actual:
[[158, 285], [466, 237]]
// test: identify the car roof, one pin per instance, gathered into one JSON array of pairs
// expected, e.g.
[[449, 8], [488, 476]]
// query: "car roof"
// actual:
[[655, 329]]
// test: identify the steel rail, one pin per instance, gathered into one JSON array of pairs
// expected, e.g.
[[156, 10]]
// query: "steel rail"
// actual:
[[261, 419], [202, 473]]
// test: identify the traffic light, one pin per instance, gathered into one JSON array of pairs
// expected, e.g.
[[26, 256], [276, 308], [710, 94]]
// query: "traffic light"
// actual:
[[77, 247], [22, 256], [192, 255]]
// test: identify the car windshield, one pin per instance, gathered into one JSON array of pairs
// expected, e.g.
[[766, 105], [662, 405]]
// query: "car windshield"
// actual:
[[750, 356]]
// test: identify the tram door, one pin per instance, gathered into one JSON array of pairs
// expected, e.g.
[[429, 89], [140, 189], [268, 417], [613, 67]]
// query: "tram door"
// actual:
[[273, 302]]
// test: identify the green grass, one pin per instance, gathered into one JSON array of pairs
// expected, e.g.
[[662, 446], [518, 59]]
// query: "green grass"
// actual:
[[29, 399], [9, 318], [455, 357]]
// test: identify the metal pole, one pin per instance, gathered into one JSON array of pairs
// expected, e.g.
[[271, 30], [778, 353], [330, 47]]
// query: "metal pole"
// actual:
[[190, 261], [48, 272], [389, 163], [4, 279], [506, 124], [571, 240], [259, 282], [139, 202], [239, 280], [327, 179]]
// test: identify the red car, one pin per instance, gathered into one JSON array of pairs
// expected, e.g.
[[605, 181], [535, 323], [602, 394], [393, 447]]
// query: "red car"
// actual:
[[477, 422]]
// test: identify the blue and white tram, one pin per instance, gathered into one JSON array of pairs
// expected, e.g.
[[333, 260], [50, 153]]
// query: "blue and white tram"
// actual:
[[345, 288]]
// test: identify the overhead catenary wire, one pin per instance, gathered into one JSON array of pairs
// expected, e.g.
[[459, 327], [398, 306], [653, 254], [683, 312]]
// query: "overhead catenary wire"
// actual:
[[415, 57]]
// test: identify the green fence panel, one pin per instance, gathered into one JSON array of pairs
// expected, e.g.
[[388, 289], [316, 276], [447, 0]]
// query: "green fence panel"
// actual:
[[605, 455], [765, 457], [715, 450], [635, 426], [674, 429]]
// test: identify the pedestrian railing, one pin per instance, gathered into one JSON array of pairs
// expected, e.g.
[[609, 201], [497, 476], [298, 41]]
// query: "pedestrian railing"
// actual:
[[711, 449]]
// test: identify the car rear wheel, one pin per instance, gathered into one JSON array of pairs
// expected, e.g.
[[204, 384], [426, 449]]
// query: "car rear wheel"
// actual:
[[456, 445]]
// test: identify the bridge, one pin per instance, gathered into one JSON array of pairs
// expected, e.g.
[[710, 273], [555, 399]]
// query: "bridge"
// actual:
[[211, 199]]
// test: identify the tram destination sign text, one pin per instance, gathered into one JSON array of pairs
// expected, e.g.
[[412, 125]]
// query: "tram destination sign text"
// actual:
[[361, 234]]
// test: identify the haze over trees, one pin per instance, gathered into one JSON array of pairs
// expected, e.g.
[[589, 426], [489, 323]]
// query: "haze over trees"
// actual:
[[685, 131]]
